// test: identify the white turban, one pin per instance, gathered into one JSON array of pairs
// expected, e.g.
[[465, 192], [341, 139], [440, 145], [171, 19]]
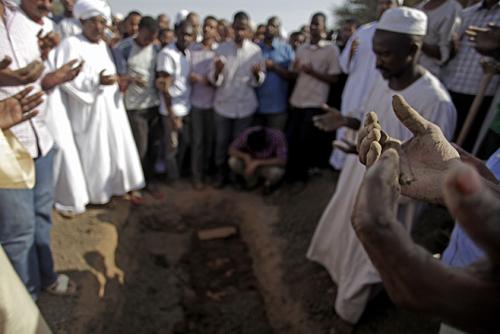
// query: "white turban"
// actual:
[[86, 9], [181, 16], [404, 20]]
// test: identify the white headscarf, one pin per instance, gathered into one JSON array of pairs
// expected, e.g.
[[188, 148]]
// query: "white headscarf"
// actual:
[[86, 9], [404, 20]]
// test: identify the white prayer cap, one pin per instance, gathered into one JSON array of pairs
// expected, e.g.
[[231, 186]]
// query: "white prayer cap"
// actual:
[[400, 2], [119, 16], [86, 9], [181, 16], [404, 20]]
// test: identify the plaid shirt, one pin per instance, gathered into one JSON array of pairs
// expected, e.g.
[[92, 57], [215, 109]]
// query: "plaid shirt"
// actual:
[[276, 144], [18, 40], [463, 73]]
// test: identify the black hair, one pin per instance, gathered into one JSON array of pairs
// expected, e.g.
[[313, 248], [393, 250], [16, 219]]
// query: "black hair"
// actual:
[[148, 23], [132, 13], [319, 14], [257, 140], [210, 17], [241, 16], [352, 22]]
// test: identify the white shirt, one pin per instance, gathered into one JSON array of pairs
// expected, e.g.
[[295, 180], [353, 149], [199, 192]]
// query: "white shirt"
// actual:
[[19, 41], [69, 26], [176, 64], [310, 92], [142, 63], [235, 95]]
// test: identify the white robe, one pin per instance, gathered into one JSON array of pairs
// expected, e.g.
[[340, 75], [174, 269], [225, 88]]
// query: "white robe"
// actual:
[[70, 191], [361, 76], [334, 244], [102, 132]]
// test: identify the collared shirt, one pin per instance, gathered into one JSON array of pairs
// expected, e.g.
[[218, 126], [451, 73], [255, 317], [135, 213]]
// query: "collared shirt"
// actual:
[[202, 95], [235, 95], [139, 62], [463, 73], [19, 41], [310, 92], [276, 146], [176, 64], [273, 94]]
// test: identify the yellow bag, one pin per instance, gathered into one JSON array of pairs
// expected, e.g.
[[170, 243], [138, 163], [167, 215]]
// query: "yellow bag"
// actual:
[[17, 168]]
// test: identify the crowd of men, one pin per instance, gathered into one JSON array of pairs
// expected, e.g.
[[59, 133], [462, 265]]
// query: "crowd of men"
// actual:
[[130, 102]]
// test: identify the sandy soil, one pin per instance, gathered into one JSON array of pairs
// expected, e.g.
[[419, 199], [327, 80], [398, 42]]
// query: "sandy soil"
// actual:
[[142, 269]]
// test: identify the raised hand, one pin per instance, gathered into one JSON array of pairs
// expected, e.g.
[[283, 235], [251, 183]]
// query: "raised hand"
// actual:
[[19, 108], [47, 42], [107, 80], [6, 61], [22, 76], [424, 158], [331, 120], [70, 70], [486, 40]]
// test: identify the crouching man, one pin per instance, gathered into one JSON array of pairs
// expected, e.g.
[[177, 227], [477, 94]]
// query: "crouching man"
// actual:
[[259, 153]]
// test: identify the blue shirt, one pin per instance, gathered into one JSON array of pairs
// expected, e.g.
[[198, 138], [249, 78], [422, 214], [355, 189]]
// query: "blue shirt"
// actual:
[[273, 93], [461, 250]]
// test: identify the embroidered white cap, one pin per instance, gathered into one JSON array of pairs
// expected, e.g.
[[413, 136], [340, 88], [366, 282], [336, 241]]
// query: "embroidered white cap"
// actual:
[[404, 20]]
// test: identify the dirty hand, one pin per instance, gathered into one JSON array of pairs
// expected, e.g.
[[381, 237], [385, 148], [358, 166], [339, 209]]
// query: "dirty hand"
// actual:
[[19, 108], [331, 120], [107, 80], [424, 158]]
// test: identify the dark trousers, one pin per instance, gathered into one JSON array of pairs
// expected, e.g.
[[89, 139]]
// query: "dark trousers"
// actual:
[[177, 144], [275, 121], [308, 146], [463, 103], [226, 130], [202, 141], [147, 131]]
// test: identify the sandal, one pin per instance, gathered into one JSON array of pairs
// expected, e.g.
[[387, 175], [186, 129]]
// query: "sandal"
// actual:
[[63, 286], [135, 197]]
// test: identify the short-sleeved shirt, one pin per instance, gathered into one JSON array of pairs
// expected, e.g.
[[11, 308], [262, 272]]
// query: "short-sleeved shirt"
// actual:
[[139, 62], [463, 73], [235, 95], [176, 64], [273, 94], [276, 144], [202, 96], [310, 92]]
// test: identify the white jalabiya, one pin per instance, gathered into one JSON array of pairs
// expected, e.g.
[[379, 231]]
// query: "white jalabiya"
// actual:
[[102, 132], [69, 26], [362, 73], [70, 190], [335, 244]]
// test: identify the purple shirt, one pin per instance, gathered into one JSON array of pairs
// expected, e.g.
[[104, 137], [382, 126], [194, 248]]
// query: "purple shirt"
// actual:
[[202, 96], [276, 144]]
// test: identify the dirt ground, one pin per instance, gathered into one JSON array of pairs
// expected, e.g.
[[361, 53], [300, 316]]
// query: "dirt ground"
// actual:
[[143, 269]]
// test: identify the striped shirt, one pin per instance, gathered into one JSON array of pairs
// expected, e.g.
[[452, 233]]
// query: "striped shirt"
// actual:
[[276, 144]]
